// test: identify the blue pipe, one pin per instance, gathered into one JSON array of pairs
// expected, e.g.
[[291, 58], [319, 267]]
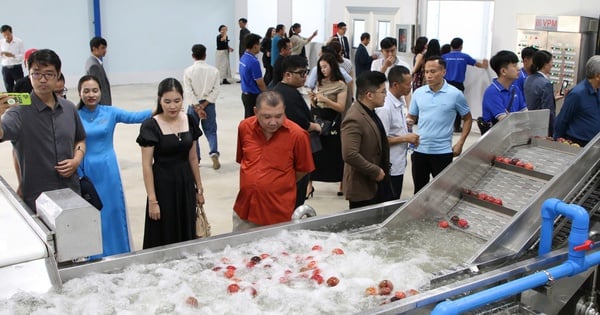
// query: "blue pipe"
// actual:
[[97, 21], [577, 260]]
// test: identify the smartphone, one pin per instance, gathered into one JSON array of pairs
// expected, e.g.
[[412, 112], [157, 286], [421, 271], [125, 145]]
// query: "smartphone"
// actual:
[[563, 87], [20, 98]]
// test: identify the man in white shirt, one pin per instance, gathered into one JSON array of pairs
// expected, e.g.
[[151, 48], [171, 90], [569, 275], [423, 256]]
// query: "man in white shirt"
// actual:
[[388, 50], [341, 37], [200, 91], [393, 117], [11, 57]]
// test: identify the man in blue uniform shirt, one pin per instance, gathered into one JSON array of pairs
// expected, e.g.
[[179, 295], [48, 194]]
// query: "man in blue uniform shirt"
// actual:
[[251, 75], [456, 67], [579, 118], [526, 57], [502, 96]]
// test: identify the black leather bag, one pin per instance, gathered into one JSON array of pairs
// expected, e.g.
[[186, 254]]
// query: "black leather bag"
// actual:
[[483, 125], [89, 193]]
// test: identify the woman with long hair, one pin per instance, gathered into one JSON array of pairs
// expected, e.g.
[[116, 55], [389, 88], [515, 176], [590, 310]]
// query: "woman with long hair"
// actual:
[[328, 105], [265, 48], [100, 162], [432, 49], [539, 93], [298, 42], [170, 169]]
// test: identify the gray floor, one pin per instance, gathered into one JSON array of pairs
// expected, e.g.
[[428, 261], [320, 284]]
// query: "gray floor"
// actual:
[[220, 186]]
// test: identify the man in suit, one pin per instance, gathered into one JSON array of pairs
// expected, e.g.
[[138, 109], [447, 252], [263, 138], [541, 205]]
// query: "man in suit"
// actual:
[[93, 66], [243, 32], [341, 37], [365, 149], [362, 59]]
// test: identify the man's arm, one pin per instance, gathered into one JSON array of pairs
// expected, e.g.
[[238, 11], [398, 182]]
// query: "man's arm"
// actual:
[[4, 106], [483, 64], [467, 124], [565, 115], [68, 167], [261, 84]]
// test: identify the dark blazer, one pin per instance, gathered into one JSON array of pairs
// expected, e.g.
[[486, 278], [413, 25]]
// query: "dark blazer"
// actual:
[[539, 94], [362, 60], [242, 46], [362, 151], [93, 67], [346, 47]]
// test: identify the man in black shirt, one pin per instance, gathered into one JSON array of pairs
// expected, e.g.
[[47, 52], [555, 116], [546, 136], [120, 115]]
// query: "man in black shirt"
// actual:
[[296, 109]]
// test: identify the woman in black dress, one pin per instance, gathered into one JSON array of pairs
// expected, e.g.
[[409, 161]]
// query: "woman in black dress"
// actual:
[[170, 168]]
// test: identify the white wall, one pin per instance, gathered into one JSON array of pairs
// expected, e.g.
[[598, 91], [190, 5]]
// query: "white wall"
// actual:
[[147, 40]]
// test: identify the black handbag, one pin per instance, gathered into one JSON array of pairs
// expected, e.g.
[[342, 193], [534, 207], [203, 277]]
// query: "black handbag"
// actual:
[[88, 191], [484, 126]]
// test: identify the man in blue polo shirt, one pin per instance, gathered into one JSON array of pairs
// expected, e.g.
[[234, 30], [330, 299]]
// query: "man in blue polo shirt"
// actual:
[[456, 67], [502, 96], [251, 75], [432, 108], [579, 117], [527, 58]]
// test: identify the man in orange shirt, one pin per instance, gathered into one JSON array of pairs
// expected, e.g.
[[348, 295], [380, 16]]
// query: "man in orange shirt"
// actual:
[[274, 153]]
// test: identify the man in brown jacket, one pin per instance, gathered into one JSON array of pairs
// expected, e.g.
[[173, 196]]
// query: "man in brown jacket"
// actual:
[[365, 149]]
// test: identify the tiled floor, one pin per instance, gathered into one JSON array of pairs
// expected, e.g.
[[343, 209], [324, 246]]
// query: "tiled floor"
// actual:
[[220, 186]]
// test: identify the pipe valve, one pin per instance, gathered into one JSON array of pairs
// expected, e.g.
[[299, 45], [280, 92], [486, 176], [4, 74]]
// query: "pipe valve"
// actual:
[[587, 245]]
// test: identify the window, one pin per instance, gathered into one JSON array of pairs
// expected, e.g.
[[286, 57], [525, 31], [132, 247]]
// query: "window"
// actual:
[[383, 31], [358, 28], [445, 21]]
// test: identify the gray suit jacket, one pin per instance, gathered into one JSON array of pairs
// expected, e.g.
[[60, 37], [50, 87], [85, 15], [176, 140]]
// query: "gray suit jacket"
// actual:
[[539, 94], [93, 67], [362, 151]]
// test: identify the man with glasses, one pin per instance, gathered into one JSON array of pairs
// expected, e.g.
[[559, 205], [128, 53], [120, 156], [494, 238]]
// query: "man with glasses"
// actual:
[[365, 148], [432, 108], [251, 75], [296, 110], [48, 135]]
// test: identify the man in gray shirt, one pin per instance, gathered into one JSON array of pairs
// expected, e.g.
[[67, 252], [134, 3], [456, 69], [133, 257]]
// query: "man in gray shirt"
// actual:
[[48, 136]]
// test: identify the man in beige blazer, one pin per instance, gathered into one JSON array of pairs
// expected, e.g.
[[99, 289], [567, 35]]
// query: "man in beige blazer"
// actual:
[[365, 149]]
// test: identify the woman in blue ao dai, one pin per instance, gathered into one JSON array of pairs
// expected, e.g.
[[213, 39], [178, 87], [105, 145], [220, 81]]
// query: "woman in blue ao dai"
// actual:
[[100, 162]]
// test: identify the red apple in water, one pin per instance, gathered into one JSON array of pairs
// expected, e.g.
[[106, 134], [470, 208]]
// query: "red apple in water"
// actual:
[[463, 223], [333, 281], [400, 295], [317, 247], [233, 288], [337, 251], [229, 273], [443, 224], [191, 301], [413, 292], [317, 278], [385, 287], [371, 291]]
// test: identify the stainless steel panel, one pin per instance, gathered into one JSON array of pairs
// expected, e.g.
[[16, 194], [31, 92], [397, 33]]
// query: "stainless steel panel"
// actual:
[[76, 224], [36, 276]]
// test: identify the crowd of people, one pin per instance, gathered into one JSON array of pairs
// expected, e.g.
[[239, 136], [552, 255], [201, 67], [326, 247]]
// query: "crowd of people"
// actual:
[[300, 125]]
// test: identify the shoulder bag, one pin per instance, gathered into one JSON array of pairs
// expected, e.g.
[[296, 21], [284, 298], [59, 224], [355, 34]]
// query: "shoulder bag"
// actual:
[[88, 190], [202, 225], [484, 126]]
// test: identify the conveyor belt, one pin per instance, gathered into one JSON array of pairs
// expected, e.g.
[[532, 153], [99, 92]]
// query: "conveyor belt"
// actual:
[[589, 198]]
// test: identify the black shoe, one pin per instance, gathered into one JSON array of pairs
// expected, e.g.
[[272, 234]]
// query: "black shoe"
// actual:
[[340, 193], [225, 82], [310, 194], [238, 81]]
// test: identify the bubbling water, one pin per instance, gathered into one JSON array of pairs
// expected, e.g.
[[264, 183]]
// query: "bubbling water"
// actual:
[[282, 282]]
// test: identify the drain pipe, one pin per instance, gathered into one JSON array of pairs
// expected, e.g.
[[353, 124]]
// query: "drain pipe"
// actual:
[[97, 23], [576, 263]]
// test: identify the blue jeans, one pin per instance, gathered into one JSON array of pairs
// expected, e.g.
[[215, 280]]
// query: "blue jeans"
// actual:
[[209, 127]]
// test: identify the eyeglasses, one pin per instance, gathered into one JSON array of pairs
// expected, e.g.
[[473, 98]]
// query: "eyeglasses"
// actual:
[[39, 75], [302, 73]]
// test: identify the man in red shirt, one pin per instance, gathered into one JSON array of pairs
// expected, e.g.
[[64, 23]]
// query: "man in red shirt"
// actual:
[[274, 153]]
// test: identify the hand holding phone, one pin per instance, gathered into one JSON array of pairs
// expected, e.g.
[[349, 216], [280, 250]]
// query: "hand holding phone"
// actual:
[[563, 87], [19, 98]]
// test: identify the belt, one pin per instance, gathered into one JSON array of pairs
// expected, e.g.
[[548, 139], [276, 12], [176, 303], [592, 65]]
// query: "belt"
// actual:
[[12, 66]]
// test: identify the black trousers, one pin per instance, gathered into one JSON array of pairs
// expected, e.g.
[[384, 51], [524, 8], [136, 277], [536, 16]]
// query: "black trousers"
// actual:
[[424, 165], [249, 101], [11, 74], [457, 119], [301, 187]]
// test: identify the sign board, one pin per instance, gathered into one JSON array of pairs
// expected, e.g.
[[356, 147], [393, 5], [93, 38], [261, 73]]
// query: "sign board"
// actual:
[[546, 23]]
